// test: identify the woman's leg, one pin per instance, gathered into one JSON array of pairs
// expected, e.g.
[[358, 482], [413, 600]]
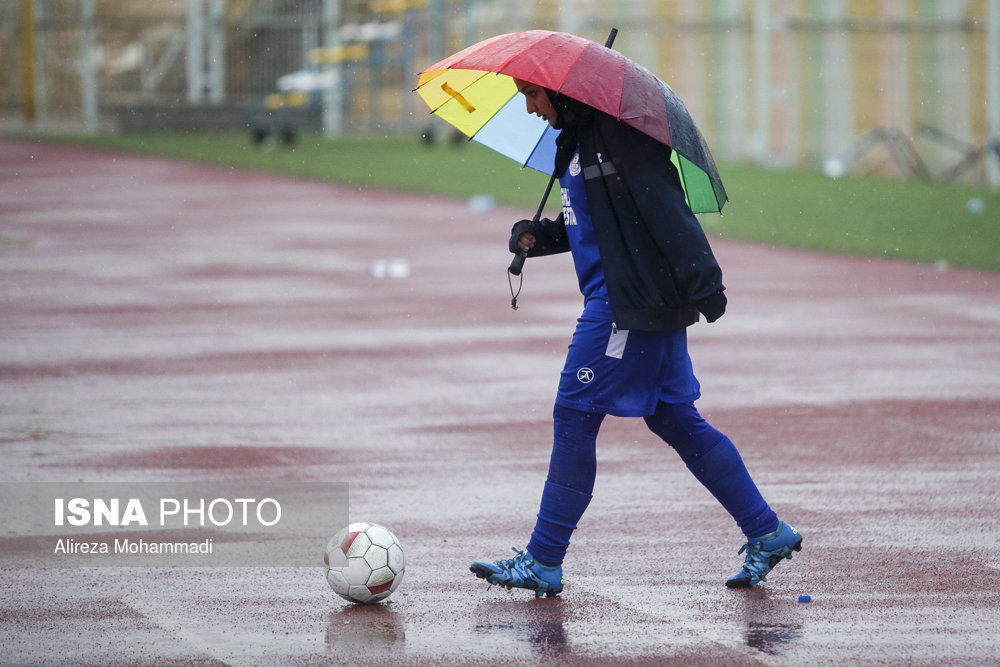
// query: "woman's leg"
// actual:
[[570, 483], [715, 462]]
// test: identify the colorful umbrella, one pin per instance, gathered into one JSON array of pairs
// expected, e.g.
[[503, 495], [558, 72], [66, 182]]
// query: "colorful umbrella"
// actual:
[[474, 91]]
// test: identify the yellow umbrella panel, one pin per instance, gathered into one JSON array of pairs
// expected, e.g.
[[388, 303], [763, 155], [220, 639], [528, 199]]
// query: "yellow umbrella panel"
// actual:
[[485, 106]]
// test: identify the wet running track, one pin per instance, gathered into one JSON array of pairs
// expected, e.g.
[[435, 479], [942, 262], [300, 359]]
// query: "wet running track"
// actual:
[[172, 322]]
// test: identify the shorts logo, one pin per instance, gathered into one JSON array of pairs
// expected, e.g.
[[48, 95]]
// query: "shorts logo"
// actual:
[[585, 375]]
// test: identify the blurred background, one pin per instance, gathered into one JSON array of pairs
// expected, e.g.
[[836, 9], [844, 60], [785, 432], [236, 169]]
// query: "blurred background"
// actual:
[[907, 87]]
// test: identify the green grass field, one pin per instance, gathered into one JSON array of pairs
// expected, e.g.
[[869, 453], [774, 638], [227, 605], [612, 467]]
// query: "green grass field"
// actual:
[[863, 216]]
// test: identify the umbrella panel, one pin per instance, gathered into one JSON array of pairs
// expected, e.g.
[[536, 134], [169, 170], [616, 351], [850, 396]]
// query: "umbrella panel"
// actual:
[[697, 185], [437, 92], [473, 106], [484, 106], [506, 133]]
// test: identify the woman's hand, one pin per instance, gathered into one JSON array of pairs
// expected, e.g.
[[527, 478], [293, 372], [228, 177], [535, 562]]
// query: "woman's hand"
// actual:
[[525, 242]]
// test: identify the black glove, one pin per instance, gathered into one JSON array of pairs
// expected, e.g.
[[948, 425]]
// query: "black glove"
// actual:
[[713, 306], [520, 227]]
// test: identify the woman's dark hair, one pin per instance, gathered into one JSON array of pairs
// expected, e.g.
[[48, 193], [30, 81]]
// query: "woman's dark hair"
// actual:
[[570, 116]]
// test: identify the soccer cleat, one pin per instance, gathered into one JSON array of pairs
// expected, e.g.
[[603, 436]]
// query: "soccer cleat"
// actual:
[[522, 571], [763, 553]]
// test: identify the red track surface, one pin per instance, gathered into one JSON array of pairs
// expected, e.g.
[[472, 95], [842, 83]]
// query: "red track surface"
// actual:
[[163, 321]]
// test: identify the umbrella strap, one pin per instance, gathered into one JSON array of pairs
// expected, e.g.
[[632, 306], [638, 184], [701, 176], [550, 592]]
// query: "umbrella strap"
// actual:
[[513, 294]]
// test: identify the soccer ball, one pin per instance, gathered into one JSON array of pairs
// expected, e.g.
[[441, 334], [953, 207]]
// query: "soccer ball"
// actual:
[[364, 563]]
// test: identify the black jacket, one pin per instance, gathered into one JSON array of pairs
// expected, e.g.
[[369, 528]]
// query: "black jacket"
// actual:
[[658, 265]]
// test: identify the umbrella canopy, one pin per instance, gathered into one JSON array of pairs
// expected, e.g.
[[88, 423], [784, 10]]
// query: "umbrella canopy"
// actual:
[[474, 91]]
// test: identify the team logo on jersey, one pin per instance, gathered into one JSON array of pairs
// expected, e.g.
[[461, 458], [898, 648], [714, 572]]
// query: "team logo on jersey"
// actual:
[[585, 375], [574, 165]]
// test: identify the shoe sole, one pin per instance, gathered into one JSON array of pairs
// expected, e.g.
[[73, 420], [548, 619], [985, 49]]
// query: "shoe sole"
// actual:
[[745, 583], [484, 572], [481, 571]]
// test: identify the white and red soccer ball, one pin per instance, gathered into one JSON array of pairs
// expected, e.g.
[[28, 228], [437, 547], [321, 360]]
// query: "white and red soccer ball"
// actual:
[[364, 563]]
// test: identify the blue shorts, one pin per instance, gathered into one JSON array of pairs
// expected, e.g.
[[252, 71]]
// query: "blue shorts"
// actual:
[[624, 373]]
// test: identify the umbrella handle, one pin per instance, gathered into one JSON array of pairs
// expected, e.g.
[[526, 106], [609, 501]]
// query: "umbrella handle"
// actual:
[[518, 263]]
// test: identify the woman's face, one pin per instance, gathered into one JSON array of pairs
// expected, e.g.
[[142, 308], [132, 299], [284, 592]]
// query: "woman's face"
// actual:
[[537, 101]]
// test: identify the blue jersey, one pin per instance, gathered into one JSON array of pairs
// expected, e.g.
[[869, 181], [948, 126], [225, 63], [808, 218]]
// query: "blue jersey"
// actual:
[[607, 370], [580, 233]]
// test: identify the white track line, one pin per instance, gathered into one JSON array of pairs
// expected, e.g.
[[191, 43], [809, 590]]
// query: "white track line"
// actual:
[[741, 649], [169, 622]]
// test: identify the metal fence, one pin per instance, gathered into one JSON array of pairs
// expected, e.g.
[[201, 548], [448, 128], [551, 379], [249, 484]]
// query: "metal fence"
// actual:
[[905, 86]]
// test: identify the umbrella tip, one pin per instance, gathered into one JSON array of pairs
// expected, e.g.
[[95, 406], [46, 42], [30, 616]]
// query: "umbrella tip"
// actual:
[[611, 37]]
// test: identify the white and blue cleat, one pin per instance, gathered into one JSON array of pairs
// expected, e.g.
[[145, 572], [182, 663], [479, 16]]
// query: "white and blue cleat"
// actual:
[[522, 571], [763, 553]]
